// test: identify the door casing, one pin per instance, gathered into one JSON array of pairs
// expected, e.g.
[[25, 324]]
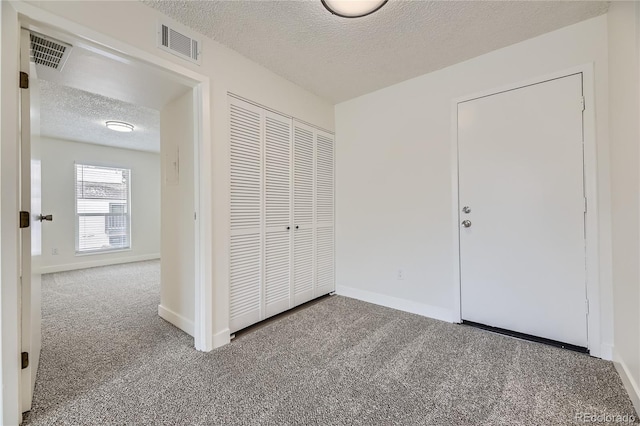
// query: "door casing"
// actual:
[[30, 194], [34, 18], [591, 192]]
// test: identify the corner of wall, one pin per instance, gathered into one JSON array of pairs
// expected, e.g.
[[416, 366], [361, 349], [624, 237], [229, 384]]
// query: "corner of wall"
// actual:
[[624, 109]]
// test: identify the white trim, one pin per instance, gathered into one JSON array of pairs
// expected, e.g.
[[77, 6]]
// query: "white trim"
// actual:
[[592, 217], [590, 187], [203, 209], [631, 386], [93, 263], [179, 321], [435, 312], [33, 16], [606, 351], [101, 252], [221, 338], [10, 371], [455, 208]]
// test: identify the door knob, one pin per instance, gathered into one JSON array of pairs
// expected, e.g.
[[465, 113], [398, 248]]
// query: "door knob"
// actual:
[[42, 218], [466, 223], [466, 210]]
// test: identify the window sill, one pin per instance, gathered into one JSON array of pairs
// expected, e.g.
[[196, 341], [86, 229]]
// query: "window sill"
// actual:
[[94, 252]]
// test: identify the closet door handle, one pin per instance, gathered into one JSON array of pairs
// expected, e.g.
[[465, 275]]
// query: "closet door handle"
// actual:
[[288, 227], [297, 227]]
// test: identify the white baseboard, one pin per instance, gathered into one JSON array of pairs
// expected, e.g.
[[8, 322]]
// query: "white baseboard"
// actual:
[[632, 387], [434, 312], [97, 262], [179, 321], [606, 352], [221, 338]]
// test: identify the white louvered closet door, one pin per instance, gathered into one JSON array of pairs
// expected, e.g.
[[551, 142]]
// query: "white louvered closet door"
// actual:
[[277, 151], [303, 213], [324, 202], [246, 133]]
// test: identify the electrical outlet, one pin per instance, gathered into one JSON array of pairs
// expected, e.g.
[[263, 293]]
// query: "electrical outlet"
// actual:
[[400, 275], [54, 251]]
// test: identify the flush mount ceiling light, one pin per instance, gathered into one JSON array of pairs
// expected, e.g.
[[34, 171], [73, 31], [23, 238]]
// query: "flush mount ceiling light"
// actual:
[[119, 126], [353, 8]]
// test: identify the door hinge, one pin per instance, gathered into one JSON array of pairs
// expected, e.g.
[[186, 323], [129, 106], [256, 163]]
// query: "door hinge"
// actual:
[[586, 304], [24, 80], [582, 104], [25, 219], [25, 360], [585, 204]]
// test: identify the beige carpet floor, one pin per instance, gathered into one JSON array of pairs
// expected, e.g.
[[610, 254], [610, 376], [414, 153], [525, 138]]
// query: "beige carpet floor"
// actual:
[[108, 358]]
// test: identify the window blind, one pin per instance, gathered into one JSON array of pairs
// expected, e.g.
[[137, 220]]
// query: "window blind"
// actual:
[[102, 208]]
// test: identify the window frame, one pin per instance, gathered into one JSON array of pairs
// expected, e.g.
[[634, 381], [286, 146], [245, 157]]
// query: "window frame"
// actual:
[[77, 215]]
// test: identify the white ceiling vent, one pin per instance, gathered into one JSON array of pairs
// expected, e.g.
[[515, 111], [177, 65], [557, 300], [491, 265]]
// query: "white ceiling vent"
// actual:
[[48, 51], [178, 43]]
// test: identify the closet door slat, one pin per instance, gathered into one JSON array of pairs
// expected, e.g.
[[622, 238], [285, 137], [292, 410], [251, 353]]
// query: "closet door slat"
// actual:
[[303, 212], [277, 252], [245, 263], [324, 217]]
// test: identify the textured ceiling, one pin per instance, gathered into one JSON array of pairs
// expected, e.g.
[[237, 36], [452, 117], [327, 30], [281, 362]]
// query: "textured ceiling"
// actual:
[[340, 58], [95, 86], [76, 115]]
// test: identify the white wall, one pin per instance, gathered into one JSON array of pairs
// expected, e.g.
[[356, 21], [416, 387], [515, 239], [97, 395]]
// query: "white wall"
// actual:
[[393, 172], [177, 291], [624, 112], [58, 199]]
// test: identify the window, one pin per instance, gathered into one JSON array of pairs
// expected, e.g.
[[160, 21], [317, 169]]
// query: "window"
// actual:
[[102, 209]]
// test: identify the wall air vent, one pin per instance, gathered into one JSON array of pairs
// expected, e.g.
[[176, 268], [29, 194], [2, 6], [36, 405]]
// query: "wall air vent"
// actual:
[[48, 51], [176, 42]]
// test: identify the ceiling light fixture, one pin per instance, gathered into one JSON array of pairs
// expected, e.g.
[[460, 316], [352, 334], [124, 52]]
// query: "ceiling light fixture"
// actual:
[[353, 8], [119, 126]]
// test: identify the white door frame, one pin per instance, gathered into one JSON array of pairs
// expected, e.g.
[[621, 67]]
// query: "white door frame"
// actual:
[[31, 17], [591, 192]]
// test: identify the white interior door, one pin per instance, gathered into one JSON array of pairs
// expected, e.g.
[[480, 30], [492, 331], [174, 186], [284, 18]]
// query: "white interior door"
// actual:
[[303, 213], [324, 198], [245, 281], [522, 258], [31, 237], [277, 252]]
